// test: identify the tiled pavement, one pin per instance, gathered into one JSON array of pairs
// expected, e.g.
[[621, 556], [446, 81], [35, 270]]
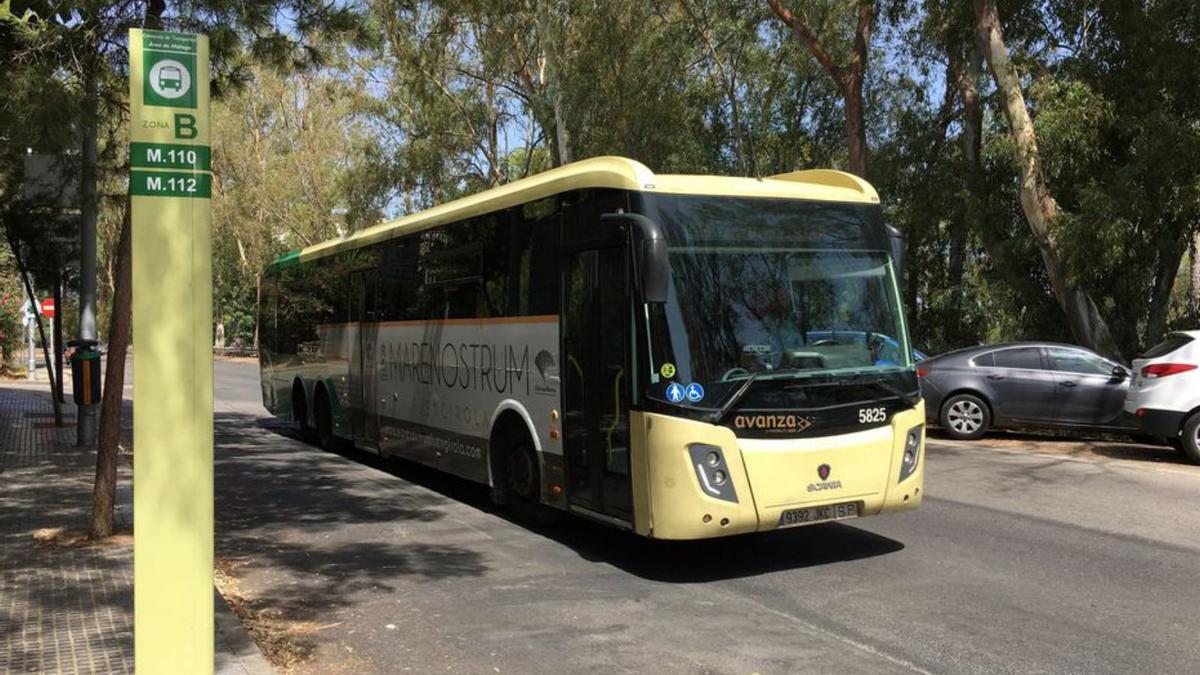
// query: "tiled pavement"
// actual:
[[64, 610], [70, 610]]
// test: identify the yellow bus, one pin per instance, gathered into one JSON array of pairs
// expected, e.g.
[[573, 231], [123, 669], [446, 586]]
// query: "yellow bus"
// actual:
[[682, 356]]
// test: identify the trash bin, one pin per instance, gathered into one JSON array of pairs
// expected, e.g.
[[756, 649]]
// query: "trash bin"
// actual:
[[85, 373]]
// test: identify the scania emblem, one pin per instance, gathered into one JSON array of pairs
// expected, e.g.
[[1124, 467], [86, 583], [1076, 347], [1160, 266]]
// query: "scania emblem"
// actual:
[[823, 471]]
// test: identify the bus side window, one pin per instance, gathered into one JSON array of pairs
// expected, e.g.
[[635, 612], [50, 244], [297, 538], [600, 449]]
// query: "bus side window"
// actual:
[[544, 221], [399, 278], [269, 293], [499, 274]]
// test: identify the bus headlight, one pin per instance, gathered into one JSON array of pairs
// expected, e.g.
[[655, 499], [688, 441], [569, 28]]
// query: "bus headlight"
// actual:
[[712, 472], [912, 452]]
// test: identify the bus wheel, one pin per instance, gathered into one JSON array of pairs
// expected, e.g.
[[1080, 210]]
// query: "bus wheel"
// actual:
[[300, 413], [521, 479], [324, 430]]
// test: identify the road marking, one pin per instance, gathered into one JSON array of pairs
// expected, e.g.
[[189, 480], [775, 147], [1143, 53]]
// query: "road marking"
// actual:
[[862, 646]]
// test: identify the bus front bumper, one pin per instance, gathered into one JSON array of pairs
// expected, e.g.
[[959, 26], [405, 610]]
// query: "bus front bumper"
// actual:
[[768, 484]]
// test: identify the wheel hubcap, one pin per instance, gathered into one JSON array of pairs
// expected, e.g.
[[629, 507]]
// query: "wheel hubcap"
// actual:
[[965, 417]]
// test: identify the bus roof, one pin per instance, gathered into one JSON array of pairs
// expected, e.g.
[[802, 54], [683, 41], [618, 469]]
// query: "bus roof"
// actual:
[[601, 172]]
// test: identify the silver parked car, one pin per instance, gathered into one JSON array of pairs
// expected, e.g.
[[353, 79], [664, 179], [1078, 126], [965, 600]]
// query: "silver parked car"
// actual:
[[1023, 384]]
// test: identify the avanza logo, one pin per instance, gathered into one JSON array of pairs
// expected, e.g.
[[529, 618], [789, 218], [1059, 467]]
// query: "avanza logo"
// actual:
[[772, 422]]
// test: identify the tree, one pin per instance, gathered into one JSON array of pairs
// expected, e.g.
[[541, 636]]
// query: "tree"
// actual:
[[90, 37], [293, 161], [1040, 209], [848, 74]]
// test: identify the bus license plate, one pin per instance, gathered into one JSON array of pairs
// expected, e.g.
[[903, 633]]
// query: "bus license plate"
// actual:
[[817, 514]]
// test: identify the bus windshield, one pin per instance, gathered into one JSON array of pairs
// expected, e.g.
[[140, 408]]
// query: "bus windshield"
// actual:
[[774, 296]]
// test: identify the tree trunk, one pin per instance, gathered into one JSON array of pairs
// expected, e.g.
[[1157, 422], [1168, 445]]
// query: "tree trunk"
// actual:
[[1196, 273], [847, 77], [967, 83], [1039, 207], [856, 127], [562, 137], [37, 319], [58, 338], [1165, 272], [109, 437]]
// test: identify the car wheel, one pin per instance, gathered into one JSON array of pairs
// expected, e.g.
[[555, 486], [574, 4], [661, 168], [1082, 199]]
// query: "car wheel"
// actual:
[[1191, 438], [965, 417]]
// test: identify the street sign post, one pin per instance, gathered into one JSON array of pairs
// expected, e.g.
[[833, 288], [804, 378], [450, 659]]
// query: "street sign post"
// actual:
[[28, 316], [170, 186]]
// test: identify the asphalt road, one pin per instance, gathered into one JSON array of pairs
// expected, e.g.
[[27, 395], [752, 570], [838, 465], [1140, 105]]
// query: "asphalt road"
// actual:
[[1016, 563]]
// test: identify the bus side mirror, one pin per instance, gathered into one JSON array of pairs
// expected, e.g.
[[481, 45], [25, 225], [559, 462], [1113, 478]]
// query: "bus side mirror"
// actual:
[[651, 268], [653, 261], [896, 243]]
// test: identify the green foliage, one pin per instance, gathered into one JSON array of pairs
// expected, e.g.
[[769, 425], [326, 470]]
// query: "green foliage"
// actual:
[[338, 114], [288, 158], [11, 298]]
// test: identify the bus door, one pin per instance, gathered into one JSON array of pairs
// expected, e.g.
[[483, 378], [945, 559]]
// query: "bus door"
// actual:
[[364, 377], [595, 375]]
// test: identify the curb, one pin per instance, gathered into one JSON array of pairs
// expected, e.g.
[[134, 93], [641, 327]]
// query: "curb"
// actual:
[[236, 653]]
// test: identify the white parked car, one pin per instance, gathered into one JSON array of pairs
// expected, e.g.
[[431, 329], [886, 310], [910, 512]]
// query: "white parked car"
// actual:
[[1164, 397]]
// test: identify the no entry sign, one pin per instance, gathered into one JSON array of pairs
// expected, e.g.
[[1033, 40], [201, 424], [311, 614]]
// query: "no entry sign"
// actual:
[[48, 308]]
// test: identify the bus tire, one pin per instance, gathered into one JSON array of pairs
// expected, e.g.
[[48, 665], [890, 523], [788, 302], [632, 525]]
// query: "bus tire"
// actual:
[[300, 413], [323, 414], [522, 479], [1190, 440], [965, 417]]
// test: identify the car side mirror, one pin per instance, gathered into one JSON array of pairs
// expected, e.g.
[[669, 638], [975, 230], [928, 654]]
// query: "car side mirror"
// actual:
[[1119, 373]]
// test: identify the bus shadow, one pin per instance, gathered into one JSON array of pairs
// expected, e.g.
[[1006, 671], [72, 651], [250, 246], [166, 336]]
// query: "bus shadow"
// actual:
[[666, 561], [733, 557]]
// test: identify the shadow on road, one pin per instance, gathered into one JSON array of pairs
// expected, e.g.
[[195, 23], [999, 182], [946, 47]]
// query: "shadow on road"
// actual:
[[679, 562], [725, 558], [315, 536]]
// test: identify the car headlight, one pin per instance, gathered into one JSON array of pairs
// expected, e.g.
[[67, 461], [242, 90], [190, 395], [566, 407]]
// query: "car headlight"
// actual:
[[912, 452]]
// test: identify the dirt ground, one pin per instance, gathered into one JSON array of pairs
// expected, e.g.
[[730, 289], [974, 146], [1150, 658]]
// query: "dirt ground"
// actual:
[[1083, 445]]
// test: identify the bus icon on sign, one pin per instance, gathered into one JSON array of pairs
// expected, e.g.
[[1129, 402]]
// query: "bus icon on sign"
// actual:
[[170, 77], [170, 80]]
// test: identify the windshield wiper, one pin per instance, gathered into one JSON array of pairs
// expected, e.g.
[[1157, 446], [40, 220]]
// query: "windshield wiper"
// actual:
[[719, 413], [740, 392]]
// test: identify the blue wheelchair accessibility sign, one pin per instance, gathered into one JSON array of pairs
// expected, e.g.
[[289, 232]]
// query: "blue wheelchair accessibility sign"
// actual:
[[695, 392]]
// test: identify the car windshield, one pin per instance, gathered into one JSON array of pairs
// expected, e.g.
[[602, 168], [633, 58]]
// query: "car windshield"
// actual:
[[782, 309]]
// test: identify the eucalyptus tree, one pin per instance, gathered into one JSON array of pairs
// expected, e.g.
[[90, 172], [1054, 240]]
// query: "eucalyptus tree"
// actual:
[[823, 28]]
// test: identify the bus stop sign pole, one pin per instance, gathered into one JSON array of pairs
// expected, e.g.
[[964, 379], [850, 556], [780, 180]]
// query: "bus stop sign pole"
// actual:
[[170, 189]]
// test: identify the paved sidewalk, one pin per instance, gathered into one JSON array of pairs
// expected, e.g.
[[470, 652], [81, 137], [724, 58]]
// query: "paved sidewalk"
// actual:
[[69, 609]]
